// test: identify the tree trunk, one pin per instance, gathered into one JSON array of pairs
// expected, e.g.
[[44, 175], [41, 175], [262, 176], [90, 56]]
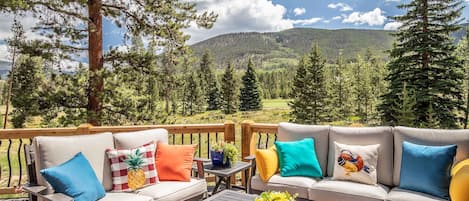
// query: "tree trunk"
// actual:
[[10, 85], [95, 53]]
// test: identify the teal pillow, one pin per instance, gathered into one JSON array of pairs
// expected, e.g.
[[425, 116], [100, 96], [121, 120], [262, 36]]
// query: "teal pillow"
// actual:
[[298, 158], [427, 169], [76, 179]]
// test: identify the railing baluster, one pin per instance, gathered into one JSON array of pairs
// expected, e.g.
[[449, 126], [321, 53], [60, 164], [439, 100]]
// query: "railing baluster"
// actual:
[[275, 139], [191, 138], [182, 136], [9, 162], [216, 136], [259, 134], [208, 145], [174, 138], [19, 162], [200, 145], [266, 140]]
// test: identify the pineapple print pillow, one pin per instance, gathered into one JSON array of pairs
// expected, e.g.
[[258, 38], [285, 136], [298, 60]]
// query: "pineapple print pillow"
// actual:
[[356, 163], [132, 168]]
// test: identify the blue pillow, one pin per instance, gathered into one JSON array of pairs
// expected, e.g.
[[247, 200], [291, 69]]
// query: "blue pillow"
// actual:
[[76, 179], [298, 158], [427, 169]]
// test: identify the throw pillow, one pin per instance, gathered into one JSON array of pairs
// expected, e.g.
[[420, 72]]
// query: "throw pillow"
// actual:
[[356, 163], [427, 169], [267, 162], [298, 158], [459, 181], [75, 178], [132, 168], [174, 162]]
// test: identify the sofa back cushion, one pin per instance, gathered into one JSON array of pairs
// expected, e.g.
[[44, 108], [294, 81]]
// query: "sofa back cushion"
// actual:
[[431, 137], [320, 134], [130, 140], [365, 136], [52, 151]]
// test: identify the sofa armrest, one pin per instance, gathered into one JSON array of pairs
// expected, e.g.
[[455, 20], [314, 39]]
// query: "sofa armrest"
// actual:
[[200, 166], [252, 159], [39, 192]]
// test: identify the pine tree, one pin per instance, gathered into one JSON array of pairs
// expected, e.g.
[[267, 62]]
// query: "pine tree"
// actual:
[[208, 82], [160, 21], [193, 97], [424, 59], [339, 90], [312, 97], [463, 54], [405, 114], [228, 88], [249, 98]]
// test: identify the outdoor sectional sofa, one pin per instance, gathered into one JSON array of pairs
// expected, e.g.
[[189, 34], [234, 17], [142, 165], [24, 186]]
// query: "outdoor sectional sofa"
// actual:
[[388, 168], [51, 151]]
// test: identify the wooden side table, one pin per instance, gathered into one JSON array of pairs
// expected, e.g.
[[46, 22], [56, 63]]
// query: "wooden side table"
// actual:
[[229, 195], [225, 174]]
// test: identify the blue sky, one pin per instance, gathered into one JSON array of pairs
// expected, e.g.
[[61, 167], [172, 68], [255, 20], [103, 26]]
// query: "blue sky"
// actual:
[[261, 16]]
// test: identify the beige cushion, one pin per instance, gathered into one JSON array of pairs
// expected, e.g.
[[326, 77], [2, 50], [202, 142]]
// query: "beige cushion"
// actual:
[[397, 194], [293, 185], [130, 140], [330, 190], [366, 136], [174, 190], [433, 137], [53, 151], [292, 132], [125, 197]]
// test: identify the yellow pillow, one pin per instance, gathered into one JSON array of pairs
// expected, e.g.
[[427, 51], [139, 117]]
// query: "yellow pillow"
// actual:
[[460, 181], [267, 162]]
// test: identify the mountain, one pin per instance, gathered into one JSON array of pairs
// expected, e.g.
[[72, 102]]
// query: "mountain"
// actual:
[[280, 49]]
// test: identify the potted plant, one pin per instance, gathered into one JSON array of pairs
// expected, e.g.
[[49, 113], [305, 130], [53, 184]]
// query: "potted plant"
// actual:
[[224, 154], [276, 196]]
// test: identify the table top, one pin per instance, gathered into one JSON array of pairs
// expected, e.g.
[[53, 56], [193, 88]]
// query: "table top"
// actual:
[[226, 172], [229, 195]]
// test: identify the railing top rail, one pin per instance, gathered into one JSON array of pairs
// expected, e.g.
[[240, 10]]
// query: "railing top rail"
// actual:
[[85, 129], [263, 127]]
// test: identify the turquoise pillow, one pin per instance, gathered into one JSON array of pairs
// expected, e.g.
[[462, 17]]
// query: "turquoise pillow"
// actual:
[[298, 158], [76, 179], [427, 169]]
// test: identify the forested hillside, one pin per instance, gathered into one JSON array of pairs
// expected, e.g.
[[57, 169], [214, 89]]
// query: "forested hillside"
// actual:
[[280, 49]]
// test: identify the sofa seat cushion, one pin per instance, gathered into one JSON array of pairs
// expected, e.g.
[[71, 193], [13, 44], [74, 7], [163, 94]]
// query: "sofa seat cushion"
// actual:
[[331, 190], [125, 197], [293, 185], [174, 190], [397, 194]]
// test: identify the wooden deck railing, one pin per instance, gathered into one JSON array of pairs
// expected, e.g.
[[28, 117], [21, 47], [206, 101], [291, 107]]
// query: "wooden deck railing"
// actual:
[[256, 136], [12, 161]]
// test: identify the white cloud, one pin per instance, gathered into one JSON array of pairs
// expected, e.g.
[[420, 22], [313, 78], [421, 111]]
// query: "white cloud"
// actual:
[[240, 16], [337, 18], [400, 0], [326, 21], [341, 6], [306, 21], [372, 18], [4, 54], [299, 11], [392, 25]]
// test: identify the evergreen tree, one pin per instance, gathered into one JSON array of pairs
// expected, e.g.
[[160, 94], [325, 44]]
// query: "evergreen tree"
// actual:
[[424, 59], [27, 80], [193, 98], [405, 114], [208, 82], [339, 90], [228, 88], [81, 28], [313, 97], [463, 54], [249, 98]]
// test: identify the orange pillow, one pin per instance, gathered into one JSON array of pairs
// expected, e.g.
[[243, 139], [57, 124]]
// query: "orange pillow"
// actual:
[[174, 162]]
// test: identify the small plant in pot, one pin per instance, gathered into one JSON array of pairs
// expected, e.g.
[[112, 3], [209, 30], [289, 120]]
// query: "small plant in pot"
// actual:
[[276, 196], [224, 154]]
